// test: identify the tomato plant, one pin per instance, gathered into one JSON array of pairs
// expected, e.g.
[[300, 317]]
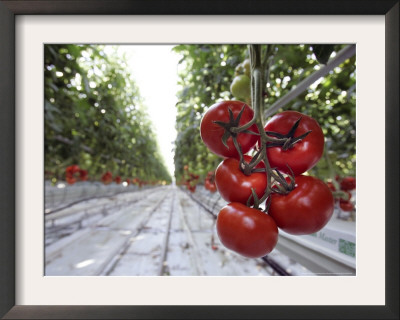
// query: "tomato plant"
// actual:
[[247, 231], [304, 154], [306, 209], [212, 133], [234, 185]]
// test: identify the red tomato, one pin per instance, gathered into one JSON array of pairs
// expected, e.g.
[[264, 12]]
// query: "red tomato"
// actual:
[[70, 180], [212, 187], [247, 231], [211, 133], [107, 177], [83, 175], [71, 170], [346, 206], [348, 183], [331, 186], [306, 209], [117, 179], [305, 153], [234, 185]]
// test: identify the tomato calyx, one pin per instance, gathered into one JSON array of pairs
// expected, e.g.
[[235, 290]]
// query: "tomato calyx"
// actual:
[[284, 186], [286, 141], [233, 123]]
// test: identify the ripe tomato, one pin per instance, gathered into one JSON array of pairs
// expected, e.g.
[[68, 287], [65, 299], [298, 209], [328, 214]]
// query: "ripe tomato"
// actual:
[[211, 133], [306, 209], [348, 183], [83, 175], [331, 186], [247, 231], [213, 188], [107, 177], [70, 180], [241, 87], [117, 179], [234, 185], [71, 170], [210, 186], [346, 206], [305, 153]]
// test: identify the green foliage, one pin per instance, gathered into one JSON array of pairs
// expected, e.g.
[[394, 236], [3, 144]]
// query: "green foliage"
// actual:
[[94, 116], [207, 73]]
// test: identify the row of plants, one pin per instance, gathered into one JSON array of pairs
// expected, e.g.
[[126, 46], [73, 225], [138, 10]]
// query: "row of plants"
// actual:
[[95, 117]]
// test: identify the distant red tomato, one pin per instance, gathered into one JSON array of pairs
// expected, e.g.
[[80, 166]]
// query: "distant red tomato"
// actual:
[[210, 186], [83, 175], [117, 179], [331, 186], [71, 170], [107, 177], [70, 180], [348, 183], [346, 206]]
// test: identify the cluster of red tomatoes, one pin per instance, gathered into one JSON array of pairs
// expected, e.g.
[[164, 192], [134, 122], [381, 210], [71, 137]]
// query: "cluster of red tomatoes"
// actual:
[[107, 178], [305, 209], [190, 179], [346, 185], [73, 173], [209, 182]]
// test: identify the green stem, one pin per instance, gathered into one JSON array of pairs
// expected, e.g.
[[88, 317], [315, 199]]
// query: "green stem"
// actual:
[[257, 97]]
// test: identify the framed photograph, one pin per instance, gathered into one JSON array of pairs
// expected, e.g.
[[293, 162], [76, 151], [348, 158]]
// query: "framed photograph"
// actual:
[[29, 29]]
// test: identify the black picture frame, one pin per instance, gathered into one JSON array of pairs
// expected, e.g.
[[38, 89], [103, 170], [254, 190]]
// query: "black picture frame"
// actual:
[[8, 11]]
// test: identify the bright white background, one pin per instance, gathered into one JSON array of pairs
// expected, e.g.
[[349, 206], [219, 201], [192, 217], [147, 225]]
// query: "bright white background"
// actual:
[[33, 288], [154, 69]]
